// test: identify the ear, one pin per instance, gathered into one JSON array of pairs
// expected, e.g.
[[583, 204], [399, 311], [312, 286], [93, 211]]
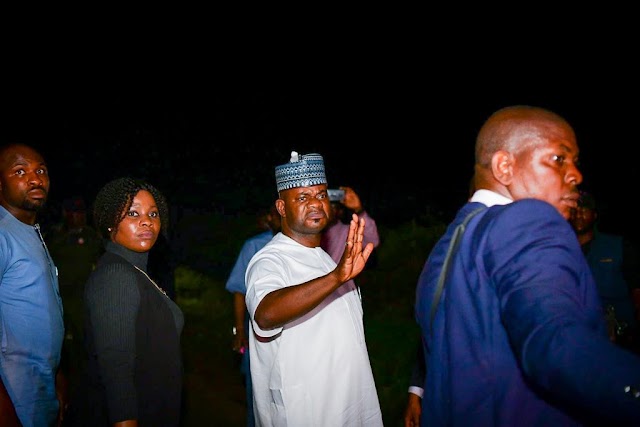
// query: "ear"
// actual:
[[502, 164], [280, 207]]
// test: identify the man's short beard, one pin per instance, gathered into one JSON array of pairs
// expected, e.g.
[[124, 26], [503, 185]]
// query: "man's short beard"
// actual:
[[34, 207]]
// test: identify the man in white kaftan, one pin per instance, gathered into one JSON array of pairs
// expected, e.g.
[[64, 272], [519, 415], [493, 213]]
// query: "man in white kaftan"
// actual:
[[311, 368]]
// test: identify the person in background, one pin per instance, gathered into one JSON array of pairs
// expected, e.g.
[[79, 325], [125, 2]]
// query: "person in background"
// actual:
[[31, 311], [132, 328], [75, 247], [336, 232], [512, 326], [615, 263], [269, 218], [309, 358]]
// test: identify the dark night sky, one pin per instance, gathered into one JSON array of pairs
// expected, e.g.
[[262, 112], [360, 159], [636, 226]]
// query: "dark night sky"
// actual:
[[402, 139]]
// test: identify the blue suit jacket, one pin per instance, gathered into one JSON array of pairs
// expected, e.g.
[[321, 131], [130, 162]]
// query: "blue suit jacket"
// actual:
[[519, 337]]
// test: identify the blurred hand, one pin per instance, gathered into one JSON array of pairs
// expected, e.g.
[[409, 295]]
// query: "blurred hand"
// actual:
[[62, 393], [351, 199], [413, 411], [240, 341]]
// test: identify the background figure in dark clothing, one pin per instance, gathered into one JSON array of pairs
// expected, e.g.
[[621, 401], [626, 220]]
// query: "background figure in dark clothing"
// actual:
[[75, 247], [615, 263]]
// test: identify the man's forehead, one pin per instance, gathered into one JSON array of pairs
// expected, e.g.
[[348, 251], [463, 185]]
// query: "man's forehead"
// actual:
[[20, 155], [562, 145], [315, 189]]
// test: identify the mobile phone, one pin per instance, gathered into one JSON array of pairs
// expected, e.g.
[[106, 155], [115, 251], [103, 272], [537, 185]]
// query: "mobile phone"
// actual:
[[335, 194]]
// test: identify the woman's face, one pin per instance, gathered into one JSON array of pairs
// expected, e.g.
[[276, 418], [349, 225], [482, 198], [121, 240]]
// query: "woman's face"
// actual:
[[140, 226]]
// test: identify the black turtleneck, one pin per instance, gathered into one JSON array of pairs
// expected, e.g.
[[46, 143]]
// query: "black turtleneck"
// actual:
[[132, 336]]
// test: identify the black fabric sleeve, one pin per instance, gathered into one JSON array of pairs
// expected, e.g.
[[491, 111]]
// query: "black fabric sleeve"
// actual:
[[419, 371], [112, 301]]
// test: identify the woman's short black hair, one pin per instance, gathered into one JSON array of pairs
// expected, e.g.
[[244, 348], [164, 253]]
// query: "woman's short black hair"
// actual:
[[115, 199]]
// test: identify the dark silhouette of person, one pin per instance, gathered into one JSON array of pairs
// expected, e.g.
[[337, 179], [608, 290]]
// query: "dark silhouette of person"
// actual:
[[75, 247], [615, 263]]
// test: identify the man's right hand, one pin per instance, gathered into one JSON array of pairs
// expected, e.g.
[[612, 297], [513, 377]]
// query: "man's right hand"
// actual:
[[354, 258]]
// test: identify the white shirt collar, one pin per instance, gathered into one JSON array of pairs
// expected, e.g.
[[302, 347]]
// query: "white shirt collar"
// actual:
[[489, 198]]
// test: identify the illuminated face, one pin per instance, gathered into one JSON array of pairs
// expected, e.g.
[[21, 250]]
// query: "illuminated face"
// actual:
[[306, 209], [548, 171], [24, 180], [140, 226]]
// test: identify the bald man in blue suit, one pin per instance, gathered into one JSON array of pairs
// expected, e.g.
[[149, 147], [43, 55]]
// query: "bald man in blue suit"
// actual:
[[512, 325]]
